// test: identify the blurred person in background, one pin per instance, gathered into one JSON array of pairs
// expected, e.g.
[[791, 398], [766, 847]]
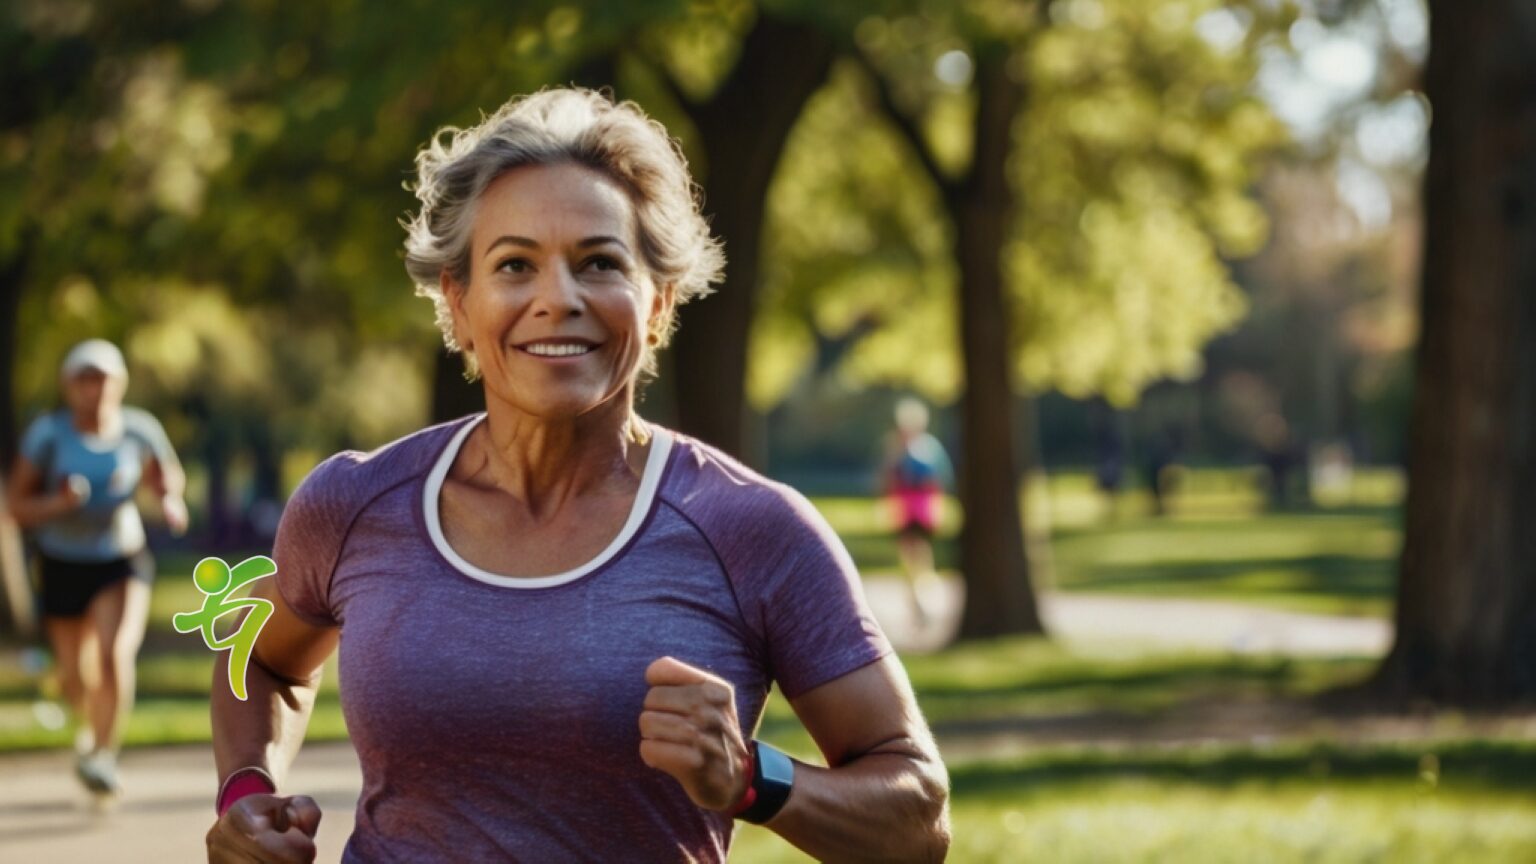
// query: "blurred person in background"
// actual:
[[558, 622], [73, 488], [1163, 469], [917, 470]]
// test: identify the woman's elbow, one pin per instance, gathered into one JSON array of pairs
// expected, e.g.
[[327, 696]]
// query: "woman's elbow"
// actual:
[[937, 833], [926, 836]]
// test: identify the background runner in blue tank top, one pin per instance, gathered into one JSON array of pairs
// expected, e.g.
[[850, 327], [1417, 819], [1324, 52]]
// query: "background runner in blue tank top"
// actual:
[[73, 486]]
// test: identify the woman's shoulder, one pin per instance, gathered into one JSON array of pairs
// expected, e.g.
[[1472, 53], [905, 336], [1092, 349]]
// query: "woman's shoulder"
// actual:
[[723, 496], [358, 476], [47, 422], [702, 470], [42, 431], [142, 423]]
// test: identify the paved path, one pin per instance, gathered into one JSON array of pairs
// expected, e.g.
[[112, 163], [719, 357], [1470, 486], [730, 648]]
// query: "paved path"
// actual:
[[46, 817], [1087, 619]]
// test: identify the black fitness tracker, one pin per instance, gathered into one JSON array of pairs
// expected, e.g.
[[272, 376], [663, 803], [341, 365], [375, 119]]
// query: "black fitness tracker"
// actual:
[[773, 774]]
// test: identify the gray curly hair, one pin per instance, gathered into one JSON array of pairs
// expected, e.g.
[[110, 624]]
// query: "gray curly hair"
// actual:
[[558, 125]]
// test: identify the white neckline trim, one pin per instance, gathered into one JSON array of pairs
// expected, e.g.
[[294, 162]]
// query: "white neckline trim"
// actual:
[[650, 481]]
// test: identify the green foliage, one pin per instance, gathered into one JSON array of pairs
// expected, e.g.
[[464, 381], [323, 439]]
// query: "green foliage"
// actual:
[[854, 235], [253, 153], [1132, 161], [217, 186]]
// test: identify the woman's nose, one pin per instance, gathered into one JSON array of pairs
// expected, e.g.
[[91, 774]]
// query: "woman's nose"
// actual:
[[558, 294]]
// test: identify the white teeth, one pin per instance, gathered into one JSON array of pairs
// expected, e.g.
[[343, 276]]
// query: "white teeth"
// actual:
[[548, 350]]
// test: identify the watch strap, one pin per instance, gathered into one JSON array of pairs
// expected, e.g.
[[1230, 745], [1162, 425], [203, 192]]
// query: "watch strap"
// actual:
[[773, 776]]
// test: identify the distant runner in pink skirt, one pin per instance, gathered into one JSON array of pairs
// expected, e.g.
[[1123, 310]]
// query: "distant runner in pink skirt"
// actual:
[[917, 469]]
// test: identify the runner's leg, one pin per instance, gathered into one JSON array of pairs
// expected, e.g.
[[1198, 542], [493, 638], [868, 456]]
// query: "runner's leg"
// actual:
[[109, 614], [66, 637]]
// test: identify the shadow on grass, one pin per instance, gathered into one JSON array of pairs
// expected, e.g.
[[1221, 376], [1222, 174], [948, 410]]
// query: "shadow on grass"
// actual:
[[1503, 766], [1263, 522], [1343, 576], [1180, 676]]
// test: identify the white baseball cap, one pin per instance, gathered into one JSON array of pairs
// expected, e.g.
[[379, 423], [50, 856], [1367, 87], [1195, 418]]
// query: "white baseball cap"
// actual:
[[95, 354]]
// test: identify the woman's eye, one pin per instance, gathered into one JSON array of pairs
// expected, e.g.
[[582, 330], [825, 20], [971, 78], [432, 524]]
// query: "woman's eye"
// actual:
[[604, 263], [515, 265]]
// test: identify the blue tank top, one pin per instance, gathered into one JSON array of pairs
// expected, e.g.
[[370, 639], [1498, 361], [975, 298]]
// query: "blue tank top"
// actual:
[[107, 525]]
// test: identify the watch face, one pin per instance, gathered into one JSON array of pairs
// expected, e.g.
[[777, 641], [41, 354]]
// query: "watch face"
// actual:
[[775, 766]]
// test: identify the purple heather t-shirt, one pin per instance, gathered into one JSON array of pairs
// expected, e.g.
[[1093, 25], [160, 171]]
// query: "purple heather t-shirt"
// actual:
[[497, 718]]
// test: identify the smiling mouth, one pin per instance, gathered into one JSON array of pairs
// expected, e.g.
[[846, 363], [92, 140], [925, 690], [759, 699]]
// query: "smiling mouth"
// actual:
[[557, 349]]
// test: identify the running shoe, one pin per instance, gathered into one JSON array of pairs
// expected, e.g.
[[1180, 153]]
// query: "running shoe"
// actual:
[[98, 771]]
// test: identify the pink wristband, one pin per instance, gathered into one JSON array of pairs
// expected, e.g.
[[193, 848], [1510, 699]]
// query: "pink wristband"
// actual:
[[749, 797], [246, 781]]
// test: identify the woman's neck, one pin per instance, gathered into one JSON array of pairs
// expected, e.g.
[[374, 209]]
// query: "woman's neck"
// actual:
[[103, 422], [546, 464]]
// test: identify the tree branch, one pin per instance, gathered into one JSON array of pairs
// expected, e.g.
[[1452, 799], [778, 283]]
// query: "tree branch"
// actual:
[[904, 123], [684, 102]]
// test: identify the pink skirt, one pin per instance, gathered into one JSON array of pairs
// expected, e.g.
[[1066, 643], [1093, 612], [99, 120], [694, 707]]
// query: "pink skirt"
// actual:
[[916, 508]]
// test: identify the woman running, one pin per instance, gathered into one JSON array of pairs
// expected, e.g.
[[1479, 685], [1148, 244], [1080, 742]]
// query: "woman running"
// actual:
[[559, 622], [73, 486]]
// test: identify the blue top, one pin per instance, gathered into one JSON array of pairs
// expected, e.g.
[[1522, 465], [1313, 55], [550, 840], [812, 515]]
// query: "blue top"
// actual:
[[922, 464], [107, 525]]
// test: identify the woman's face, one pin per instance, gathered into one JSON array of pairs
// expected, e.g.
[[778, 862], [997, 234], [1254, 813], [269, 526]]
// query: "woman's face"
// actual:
[[559, 301], [89, 390]]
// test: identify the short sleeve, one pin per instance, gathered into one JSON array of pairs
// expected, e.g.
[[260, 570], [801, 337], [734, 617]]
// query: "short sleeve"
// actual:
[[146, 426], [309, 539], [37, 439], [805, 594], [946, 466]]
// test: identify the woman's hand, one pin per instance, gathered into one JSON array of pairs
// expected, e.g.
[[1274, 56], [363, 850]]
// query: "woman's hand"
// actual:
[[689, 730], [174, 508], [71, 494], [266, 828]]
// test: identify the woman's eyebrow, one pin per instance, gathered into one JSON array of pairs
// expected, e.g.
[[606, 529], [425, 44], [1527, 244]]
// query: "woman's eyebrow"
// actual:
[[529, 243], [511, 240], [601, 240]]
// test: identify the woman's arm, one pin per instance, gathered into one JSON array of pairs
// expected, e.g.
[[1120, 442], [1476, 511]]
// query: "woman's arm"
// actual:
[[29, 503], [168, 482], [886, 795], [266, 730], [165, 478]]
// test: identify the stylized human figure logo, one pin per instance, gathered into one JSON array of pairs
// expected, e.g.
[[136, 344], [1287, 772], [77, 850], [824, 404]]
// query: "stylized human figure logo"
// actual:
[[218, 580]]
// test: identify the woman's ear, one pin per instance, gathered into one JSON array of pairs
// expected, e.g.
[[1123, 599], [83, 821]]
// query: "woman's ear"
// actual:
[[453, 292], [662, 302]]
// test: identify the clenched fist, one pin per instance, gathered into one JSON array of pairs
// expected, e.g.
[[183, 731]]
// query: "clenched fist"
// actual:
[[266, 829], [689, 730]]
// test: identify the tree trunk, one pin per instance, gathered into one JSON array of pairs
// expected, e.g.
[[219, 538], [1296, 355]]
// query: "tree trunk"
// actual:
[[13, 274], [1466, 611], [743, 128], [1000, 597], [16, 611], [16, 614]]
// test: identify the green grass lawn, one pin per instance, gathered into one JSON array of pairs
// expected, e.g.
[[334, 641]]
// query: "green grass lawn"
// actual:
[[1458, 803], [1449, 798], [1464, 802], [1217, 541]]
